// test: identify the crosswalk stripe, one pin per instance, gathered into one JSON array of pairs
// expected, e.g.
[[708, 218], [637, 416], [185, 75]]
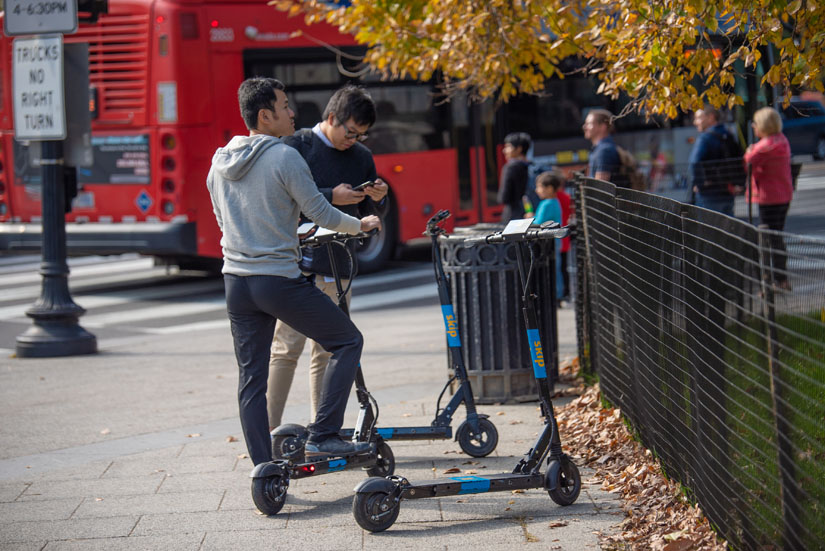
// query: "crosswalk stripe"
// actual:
[[178, 309], [125, 297], [79, 274]]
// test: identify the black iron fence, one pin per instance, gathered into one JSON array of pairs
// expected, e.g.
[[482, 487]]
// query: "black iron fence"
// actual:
[[709, 334]]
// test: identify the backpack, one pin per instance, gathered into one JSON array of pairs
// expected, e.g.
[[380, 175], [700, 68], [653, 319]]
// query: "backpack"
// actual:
[[629, 174]]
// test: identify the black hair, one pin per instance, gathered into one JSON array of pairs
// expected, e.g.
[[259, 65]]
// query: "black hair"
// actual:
[[552, 178], [519, 139], [254, 94], [351, 102]]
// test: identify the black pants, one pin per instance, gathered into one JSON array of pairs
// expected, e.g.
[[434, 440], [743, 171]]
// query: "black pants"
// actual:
[[254, 303], [565, 277], [773, 216]]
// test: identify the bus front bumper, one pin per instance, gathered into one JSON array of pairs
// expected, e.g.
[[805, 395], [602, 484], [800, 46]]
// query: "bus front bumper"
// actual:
[[152, 238]]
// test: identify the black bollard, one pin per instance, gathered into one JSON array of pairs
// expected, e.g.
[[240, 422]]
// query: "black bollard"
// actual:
[[55, 330]]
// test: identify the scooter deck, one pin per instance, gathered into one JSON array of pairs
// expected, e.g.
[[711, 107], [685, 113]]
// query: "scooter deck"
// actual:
[[406, 433], [334, 464], [472, 484]]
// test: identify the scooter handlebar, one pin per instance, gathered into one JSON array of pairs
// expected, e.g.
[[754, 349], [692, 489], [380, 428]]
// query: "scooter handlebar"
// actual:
[[528, 235], [433, 223], [323, 235]]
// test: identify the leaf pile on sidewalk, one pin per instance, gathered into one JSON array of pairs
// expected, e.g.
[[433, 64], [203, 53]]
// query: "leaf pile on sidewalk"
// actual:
[[659, 517]]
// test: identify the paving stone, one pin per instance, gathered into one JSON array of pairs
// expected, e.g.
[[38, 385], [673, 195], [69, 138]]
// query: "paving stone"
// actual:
[[176, 542], [47, 489], [194, 481], [10, 492], [33, 531], [89, 470], [576, 534], [184, 502], [170, 465], [284, 539], [214, 447], [24, 546], [223, 521], [476, 535], [19, 511]]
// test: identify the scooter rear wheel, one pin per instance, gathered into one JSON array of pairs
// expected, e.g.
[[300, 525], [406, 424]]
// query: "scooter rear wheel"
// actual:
[[269, 493], [481, 444], [288, 447], [385, 465], [568, 482], [373, 512]]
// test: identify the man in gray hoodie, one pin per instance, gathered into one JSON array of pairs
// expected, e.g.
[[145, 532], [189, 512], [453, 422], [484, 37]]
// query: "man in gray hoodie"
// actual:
[[259, 186]]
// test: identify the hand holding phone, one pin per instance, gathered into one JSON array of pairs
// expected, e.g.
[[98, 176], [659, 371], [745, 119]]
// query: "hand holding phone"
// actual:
[[360, 187]]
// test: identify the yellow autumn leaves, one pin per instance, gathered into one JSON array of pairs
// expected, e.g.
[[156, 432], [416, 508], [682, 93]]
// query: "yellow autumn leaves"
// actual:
[[666, 54]]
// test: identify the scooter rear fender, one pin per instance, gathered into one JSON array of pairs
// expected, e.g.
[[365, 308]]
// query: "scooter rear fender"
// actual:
[[271, 468], [375, 484]]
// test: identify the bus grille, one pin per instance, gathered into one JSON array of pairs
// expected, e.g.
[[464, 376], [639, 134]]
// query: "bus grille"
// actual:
[[118, 66]]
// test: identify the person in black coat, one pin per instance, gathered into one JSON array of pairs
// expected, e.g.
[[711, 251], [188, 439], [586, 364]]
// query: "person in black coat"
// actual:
[[514, 175]]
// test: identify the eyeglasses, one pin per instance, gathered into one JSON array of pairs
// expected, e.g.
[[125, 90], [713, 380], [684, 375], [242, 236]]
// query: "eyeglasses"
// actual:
[[352, 134]]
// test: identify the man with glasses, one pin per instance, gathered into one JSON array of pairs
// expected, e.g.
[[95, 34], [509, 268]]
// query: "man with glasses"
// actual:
[[338, 163], [259, 186]]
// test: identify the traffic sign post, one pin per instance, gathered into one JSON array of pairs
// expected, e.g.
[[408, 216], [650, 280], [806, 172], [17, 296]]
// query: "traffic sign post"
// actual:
[[40, 115]]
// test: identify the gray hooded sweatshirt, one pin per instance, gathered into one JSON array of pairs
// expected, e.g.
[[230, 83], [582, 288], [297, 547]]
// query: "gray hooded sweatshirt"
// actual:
[[259, 186]]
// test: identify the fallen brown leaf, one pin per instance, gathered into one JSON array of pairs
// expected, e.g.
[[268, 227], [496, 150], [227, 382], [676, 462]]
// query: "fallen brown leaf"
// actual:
[[452, 470], [231, 439]]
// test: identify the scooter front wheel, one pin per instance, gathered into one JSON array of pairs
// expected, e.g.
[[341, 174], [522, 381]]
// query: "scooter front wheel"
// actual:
[[385, 465], [563, 481], [269, 493], [375, 511], [481, 444]]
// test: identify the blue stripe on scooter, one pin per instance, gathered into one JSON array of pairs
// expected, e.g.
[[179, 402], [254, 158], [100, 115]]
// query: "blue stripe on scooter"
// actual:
[[451, 324], [337, 465], [472, 484], [386, 434], [534, 341]]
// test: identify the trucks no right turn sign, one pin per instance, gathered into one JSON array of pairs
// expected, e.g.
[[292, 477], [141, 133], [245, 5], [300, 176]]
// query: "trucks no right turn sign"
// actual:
[[39, 112]]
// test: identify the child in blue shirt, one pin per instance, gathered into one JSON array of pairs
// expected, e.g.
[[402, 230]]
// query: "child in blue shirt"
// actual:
[[547, 184]]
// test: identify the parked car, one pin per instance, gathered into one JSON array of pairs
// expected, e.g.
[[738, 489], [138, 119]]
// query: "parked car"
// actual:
[[803, 123]]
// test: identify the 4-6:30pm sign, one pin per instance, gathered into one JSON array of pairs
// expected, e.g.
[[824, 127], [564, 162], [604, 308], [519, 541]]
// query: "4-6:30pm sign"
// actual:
[[40, 17]]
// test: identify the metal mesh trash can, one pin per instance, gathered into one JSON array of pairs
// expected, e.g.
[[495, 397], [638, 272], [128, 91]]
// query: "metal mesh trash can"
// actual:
[[486, 295]]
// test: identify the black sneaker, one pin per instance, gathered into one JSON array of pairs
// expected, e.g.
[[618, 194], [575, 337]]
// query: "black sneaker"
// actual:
[[333, 446]]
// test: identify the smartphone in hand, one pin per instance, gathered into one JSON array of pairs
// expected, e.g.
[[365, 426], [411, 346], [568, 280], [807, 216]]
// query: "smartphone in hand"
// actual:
[[361, 187]]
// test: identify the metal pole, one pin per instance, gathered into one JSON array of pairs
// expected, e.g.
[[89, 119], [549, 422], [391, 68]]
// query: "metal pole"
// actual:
[[784, 448], [55, 330]]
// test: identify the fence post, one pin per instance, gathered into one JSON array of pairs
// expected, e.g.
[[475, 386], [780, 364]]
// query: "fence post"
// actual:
[[787, 483], [584, 317]]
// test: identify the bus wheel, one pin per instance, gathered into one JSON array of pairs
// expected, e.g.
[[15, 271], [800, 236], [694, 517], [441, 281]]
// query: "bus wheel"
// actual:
[[376, 250]]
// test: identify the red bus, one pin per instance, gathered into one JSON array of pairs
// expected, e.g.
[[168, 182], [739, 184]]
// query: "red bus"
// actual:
[[164, 77]]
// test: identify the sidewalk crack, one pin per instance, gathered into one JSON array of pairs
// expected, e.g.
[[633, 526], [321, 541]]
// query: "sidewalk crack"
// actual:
[[135, 526]]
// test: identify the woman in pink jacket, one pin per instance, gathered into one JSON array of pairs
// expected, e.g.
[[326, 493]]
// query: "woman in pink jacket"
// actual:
[[771, 185]]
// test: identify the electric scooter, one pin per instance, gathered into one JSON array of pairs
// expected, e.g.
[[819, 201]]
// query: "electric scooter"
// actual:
[[477, 435], [270, 481], [377, 500]]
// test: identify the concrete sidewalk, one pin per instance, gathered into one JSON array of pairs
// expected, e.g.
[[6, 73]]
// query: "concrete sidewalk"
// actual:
[[133, 449]]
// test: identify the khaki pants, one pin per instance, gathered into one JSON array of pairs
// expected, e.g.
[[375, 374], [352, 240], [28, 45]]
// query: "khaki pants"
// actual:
[[287, 347]]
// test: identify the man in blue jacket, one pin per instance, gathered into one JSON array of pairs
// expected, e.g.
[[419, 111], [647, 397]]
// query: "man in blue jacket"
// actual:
[[715, 163]]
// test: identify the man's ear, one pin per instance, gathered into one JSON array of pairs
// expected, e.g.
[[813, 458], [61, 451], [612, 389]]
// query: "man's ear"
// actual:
[[331, 119]]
